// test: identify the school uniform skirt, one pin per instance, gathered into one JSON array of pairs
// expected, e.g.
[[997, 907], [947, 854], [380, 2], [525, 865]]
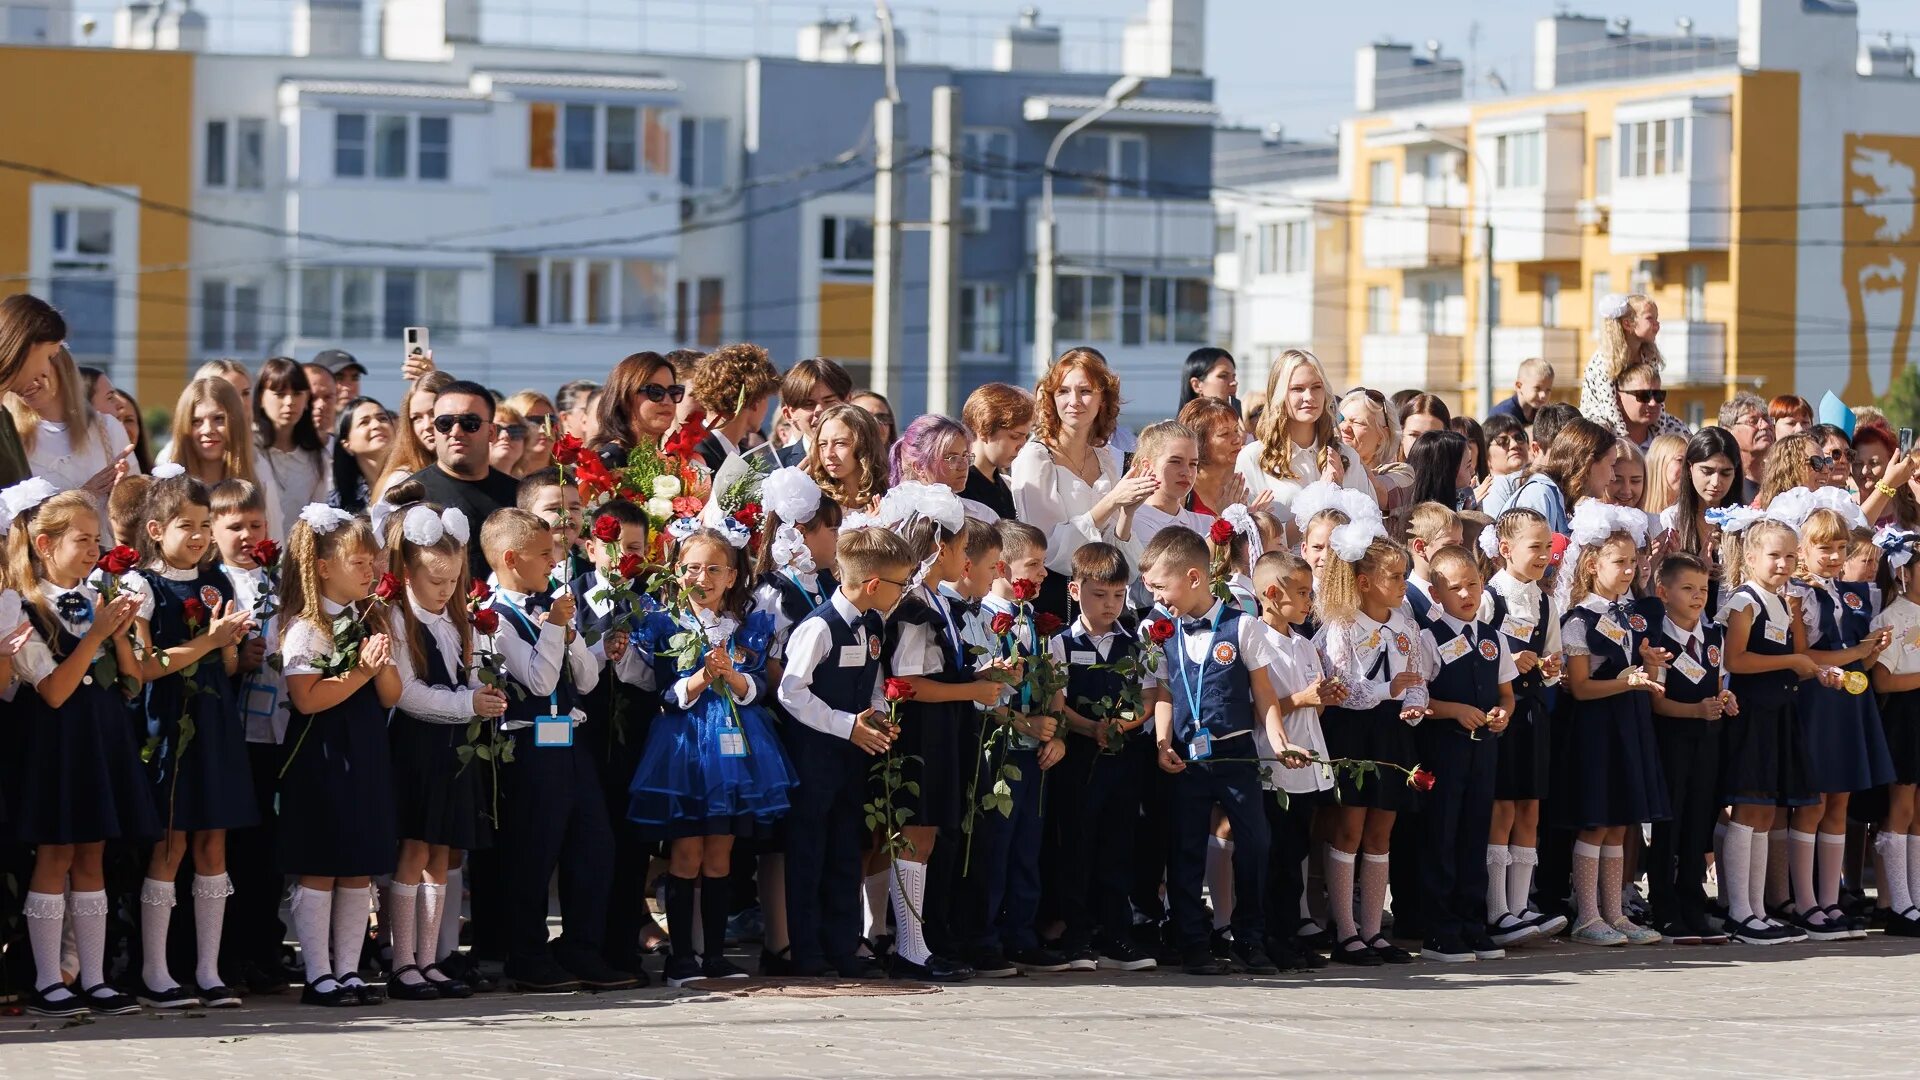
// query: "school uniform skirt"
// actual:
[[1525, 751], [1613, 775], [1763, 759], [1900, 719], [436, 798], [336, 796], [79, 778], [1846, 745], [1376, 734], [933, 742], [208, 782]]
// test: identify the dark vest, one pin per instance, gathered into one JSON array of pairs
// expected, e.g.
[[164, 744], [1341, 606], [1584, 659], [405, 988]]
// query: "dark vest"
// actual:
[[1680, 689], [1533, 683], [795, 603], [1220, 681], [1472, 678], [1767, 687], [1088, 685], [1421, 606], [1608, 659], [534, 707], [846, 689]]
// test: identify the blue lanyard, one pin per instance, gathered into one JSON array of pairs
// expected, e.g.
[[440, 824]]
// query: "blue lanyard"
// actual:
[[1196, 691], [553, 699], [816, 599], [946, 616]]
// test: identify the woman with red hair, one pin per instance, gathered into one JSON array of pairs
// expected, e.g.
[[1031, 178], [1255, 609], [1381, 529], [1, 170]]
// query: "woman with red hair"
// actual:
[[1067, 482]]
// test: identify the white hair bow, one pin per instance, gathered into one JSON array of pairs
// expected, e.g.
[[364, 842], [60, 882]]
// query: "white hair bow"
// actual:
[[1490, 541], [1351, 541], [1243, 524], [167, 470], [1840, 502], [1612, 306], [681, 528], [1896, 546], [23, 497], [323, 519], [905, 503], [736, 533], [790, 550], [1594, 521], [425, 528], [1315, 497], [791, 495]]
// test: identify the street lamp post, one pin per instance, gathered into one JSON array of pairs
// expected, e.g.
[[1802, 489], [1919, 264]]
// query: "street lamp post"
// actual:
[[1486, 262], [1043, 313]]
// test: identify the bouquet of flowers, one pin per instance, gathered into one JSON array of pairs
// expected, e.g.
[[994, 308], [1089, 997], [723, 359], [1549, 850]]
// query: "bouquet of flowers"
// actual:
[[485, 740]]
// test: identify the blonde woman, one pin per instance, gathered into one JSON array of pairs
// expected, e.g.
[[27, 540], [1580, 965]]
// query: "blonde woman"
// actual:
[[1666, 470], [1628, 327], [543, 422], [1297, 439], [67, 442], [1367, 425], [236, 375], [212, 440], [413, 434]]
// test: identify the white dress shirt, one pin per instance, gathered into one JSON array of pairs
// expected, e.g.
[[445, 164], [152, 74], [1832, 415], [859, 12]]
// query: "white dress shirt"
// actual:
[[536, 666], [263, 693], [1296, 665], [683, 693], [807, 648], [1306, 469], [432, 702]]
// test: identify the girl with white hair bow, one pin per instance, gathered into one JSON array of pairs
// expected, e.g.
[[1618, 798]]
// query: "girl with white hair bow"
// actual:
[[1896, 677]]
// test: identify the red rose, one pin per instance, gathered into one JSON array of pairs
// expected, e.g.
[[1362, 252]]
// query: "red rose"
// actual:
[[1024, 590], [630, 565], [1003, 623], [566, 450], [1160, 631], [195, 611], [748, 515], [264, 552], [606, 527], [1048, 623], [480, 593], [1222, 531], [119, 560], [899, 690], [388, 588], [1420, 779], [486, 621]]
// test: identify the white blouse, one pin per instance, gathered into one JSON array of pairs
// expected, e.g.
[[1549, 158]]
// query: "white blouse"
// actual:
[[299, 477], [1054, 499], [54, 457], [1306, 470], [432, 702], [36, 661]]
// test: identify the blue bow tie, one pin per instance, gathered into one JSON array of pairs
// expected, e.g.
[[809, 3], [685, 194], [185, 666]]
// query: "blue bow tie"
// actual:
[[873, 622], [538, 602], [74, 608], [1197, 626]]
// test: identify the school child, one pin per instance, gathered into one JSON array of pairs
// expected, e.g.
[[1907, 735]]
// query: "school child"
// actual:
[[1001, 420], [1169, 453], [1095, 801], [948, 919], [937, 724], [1470, 703], [1215, 660], [1687, 729], [1896, 677], [1007, 845], [1612, 769], [442, 803], [189, 631], [1285, 587], [126, 510], [1023, 549], [1763, 760], [1368, 641], [79, 782], [1516, 604], [547, 496], [337, 828], [1430, 527], [831, 686], [251, 944], [794, 574], [1863, 565], [1846, 746], [553, 814], [712, 769], [1245, 532]]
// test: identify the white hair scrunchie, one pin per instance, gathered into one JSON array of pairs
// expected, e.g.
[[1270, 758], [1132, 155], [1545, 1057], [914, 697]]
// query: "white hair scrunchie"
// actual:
[[1896, 546], [1612, 306], [323, 519], [1351, 541], [790, 550], [1490, 541], [26, 495], [1315, 497], [167, 470], [791, 495], [681, 528], [425, 528], [1733, 519]]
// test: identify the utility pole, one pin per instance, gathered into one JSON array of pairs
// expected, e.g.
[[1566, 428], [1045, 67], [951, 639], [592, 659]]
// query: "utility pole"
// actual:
[[889, 206], [943, 252]]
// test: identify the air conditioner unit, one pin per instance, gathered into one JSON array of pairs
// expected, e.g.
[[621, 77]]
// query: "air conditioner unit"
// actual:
[[1591, 212]]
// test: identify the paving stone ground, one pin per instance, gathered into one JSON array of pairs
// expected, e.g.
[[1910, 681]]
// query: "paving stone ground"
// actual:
[[1845, 1009]]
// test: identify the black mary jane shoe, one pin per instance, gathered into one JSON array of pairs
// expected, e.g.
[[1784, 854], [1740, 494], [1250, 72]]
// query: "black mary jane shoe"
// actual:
[[105, 1000], [67, 1006], [218, 996], [177, 997], [337, 998], [400, 989], [1360, 957], [365, 993], [447, 986], [1388, 951]]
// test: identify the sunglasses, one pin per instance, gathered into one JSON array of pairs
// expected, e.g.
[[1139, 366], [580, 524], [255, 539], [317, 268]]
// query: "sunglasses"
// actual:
[[515, 431], [1510, 441], [657, 393], [467, 422], [1644, 396], [1820, 462]]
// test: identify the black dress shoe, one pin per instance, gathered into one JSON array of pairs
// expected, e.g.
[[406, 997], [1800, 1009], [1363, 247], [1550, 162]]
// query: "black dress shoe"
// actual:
[[107, 1001], [937, 969], [856, 967], [1344, 952], [1388, 951], [1201, 961], [220, 996], [1250, 959], [594, 973], [57, 1001], [367, 993], [178, 997], [400, 989], [719, 967], [773, 965], [542, 976], [447, 986], [335, 996]]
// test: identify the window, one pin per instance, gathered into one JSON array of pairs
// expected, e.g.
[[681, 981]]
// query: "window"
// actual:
[[1285, 247], [703, 153], [1695, 307], [600, 301], [250, 154], [229, 316], [82, 239], [577, 152], [350, 144], [584, 137], [541, 292], [540, 128], [1550, 300], [1602, 167], [982, 307], [1133, 309], [316, 303], [656, 143], [1517, 160], [1653, 147], [1226, 236], [711, 291], [560, 292], [1433, 300], [986, 180], [1602, 285], [390, 147], [82, 284], [1084, 307], [356, 302], [1380, 182], [1379, 310], [643, 294], [1190, 299], [1152, 309], [1105, 165], [216, 167], [436, 147], [682, 312], [246, 318], [361, 303], [213, 316], [400, 300], [846, 242], [622, 146]]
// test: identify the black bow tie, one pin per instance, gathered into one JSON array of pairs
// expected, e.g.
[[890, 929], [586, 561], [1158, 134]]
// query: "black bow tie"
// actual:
[[537, 603], [873, 622], [1197, 626], [74, 608]]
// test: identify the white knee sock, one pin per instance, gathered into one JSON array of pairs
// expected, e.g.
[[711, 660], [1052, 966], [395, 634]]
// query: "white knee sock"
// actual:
[[46, 916], [1829, 860], [1373, 894], [402, 918], [1759, 858], [1913, 867], [873, 905], [88, 913], [349, 935], [312, 927], [1498, 859], [1800, 865], [1736, 860], [1220, 880], [432, 902], [1894, 887], [1520, 878], [1613, 872], [1586, 881], [452, 902], [907, 886], [1340, 892], [156, 914], [209, 916]]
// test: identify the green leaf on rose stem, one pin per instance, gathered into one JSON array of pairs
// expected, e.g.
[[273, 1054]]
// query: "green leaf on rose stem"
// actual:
[[1011, 771], [873, 821], [484, 753], [1280, 796], [463, 753], [473, 728], [911, 787], [591, 637], [506, 750]]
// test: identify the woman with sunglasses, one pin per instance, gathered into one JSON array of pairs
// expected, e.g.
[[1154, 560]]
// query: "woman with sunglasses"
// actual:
[[361, 444], [543, 426], [509, 440], [1628, 327], [638, 405], [1837, 449], [285, 439], [1641, 403]]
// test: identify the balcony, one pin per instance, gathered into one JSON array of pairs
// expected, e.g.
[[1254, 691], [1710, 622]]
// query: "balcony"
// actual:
[[1410, 237], [1541, 172], [1122, 232], [1695, 352], [1671, 197], [1390, 362], [1557, 345]]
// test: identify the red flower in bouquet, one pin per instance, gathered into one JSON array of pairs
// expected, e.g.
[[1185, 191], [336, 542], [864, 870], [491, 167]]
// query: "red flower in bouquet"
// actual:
[[1222, 531], [567, 450], [1002, 623], [687, 506], [195, 612], [1420, 779], [630, 565], [480, 593], [591, 477], [1048, 624], [118, 561], [606, 528], [264, 553], [486, 621], [681, 443], [748, 515], [1160, 631], [898, 690], [1025, 590], [387, 589]]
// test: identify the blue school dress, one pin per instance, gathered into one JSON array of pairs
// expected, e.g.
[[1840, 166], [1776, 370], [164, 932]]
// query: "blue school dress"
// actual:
[[1846, 745], [209, 784], [437, 798], [1611, 773], [1763, 755], [714, 768], [79, 779]]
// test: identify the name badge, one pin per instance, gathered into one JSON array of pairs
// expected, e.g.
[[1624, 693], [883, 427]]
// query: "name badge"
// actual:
[[553, 731], [1613, 631], [1454, 649], [1777, 635], [1083, 657], [1200, 747], [733, 743], [853, 656], [1515, 628], [262, 697], [1689, 667], [1372, 642]]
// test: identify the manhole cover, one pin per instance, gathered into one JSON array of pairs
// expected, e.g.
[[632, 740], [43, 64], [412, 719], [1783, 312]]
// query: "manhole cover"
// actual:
[[811, 988]]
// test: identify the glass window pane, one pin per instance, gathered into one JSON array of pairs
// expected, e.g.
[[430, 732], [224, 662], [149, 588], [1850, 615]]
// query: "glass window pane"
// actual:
[[710, 312], [246, 318], [1131, 166], [1100, 309], [579, 137], [213, 315], [356, 304], [390, 147], [1132, 297], [621, 151], [216, 166], [560, 291], [90, 308], [530, 295], [350, 144], [440, 303], [400, 301], [643, 294], [1157, 304], [1069, 305], [540, 126], [713, 153], [250, 162], [436, 147], [969, 312], [656, 138], [829, 239], [599, 293], [316, 303], [1190, 298], [689, 150], [988, 336], [62, 230], [93, 232], [999, 155], [1679, 144], [859, 240], [1603, 166]]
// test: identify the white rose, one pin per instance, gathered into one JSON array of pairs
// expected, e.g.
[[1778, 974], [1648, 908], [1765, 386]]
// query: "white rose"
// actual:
[[659, 508], [666, 487]]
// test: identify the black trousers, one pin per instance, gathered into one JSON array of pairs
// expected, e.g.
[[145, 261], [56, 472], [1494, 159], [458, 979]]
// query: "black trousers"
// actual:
[[254, 933], [1235, 788], [825, 828], [1677, 861], [1151, 841], [1093, 807], [1290, 841], [1457, 817], [553, 816], [617, 749]]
